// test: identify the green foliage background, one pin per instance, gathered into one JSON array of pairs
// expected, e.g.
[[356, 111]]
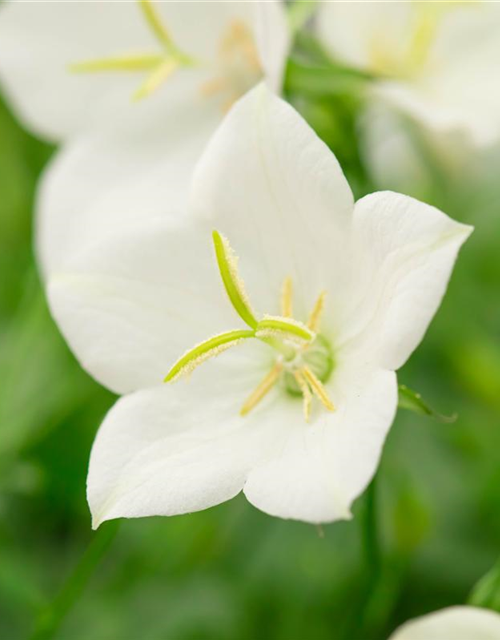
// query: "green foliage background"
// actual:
[[232, 572]]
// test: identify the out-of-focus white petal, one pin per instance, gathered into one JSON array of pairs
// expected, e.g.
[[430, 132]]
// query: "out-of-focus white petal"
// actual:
[[435, 63], [131, 305], [404, 251], [323, 466], [38, 42], [358, 33], [273, 41], [269, 184], [389, 151], [454, 623], [135, 168], [182, 448]]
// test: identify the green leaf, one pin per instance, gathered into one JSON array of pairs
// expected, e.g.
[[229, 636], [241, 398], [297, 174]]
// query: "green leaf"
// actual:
[[486, 592], [412, 401]]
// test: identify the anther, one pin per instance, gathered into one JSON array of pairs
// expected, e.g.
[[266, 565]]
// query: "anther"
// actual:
[[286, 298], [318, 388], [315, 318], [262, 390]]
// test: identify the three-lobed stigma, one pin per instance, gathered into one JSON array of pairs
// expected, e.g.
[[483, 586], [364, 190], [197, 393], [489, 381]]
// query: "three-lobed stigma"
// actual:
[[158, 65], [236, 68], [304, 359]]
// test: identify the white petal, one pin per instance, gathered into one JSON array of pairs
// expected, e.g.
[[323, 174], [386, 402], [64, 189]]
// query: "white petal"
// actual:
[[184, 447], [276, 191], [132, 305], [454, 623], [138, 167], [405, 251], [323, 466], [354, 32]]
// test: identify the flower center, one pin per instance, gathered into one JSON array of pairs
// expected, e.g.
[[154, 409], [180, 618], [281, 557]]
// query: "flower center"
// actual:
[[304, 358], [237, 67]]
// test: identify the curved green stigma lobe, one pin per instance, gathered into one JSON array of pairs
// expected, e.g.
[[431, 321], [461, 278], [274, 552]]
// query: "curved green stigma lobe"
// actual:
[[205, 350], [156, 25], [235, 289], [160, 65], [285, 328]]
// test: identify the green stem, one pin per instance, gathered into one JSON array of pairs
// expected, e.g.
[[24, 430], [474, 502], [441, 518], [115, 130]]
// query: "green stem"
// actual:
[[53, 615], [363, 611], [331, 80], [370, 533]]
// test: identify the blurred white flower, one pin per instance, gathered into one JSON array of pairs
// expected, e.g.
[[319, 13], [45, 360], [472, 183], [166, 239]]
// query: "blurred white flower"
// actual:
[[365, 279], [437, 62], [74, 71], [454, 623]]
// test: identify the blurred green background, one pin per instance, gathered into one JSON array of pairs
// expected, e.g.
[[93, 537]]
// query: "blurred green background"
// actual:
[[232, 572]]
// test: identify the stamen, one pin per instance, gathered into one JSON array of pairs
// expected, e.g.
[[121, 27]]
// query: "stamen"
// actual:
[[238, 39], [156, 78], [208, 349], [315, 317], [234, 285], [284, 328], [211, 87], [318, 389], [262, 390], [125, 62], [286, 298], [156, 25], [306, 394]]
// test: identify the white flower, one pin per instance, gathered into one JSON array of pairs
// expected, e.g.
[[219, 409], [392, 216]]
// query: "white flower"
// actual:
[[349, 288], [454, 623], [74, 71], [437, 62]]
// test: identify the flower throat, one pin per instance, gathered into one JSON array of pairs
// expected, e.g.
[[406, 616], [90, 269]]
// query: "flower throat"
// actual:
[[304, 359]]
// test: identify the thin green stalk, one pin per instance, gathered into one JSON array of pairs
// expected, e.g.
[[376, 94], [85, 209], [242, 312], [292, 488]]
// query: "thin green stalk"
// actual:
[[370, 533], [371, 551], [52, 616], [313, 80]]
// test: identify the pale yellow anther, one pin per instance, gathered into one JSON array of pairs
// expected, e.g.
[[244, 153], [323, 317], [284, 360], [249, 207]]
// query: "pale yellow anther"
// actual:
[[317, 388], [237, 67], [213, 86], [238, 39], [287, 298], [262, 390], [306, 394], [314, 319]]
